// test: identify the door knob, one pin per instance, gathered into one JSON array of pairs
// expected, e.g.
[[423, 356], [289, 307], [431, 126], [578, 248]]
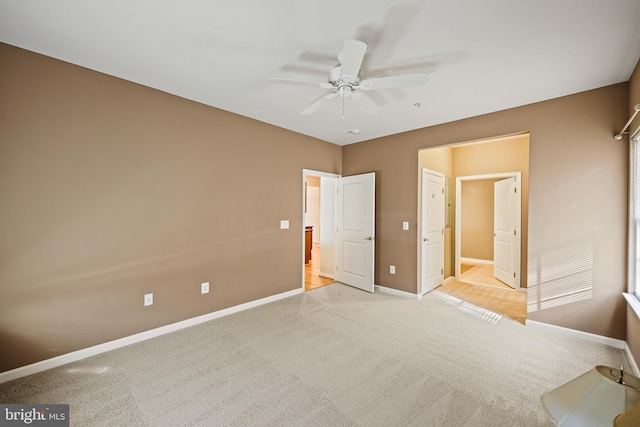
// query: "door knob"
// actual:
[[424, 239], [368, 238]]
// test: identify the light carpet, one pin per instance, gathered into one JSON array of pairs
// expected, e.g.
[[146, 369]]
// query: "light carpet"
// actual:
[[335, 356]]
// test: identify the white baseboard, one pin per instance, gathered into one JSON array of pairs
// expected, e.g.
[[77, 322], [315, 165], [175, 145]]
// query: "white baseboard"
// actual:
[[632, 360], [611, 342], [396, 292], [328, 276], [54, 362]]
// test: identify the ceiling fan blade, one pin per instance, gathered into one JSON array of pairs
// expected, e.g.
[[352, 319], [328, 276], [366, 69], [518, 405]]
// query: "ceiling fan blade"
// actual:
[[299, 83], [318, 104], [391, 82], [365, 103], [352, 56]]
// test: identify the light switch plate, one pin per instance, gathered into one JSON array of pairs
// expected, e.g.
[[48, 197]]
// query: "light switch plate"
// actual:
[[148, 299], [392, 269], [284, 224], [204, 288], [405, 225]]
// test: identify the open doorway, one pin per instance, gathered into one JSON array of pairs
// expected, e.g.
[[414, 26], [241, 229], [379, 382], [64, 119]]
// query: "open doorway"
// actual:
[[318, 219], [488, 229], [497, 156]]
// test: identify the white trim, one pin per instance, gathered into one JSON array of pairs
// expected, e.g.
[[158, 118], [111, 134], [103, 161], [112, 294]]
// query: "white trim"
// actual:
[[476, 261], [633, 302], [631, 359], [328, 276], [631, 226], [54, 362], [600, 339], [396, 292]]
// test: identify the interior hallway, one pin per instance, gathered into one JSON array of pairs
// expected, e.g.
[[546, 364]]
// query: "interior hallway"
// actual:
[[312, 278]]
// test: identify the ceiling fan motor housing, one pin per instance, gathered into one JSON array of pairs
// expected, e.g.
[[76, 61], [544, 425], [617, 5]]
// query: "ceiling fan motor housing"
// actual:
[[338, 80]]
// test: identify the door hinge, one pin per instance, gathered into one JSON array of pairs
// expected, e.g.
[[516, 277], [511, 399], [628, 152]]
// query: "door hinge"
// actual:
[[515, 189], [514, 274], [443, 191], [514, 232], [442, 271], [443, 231]]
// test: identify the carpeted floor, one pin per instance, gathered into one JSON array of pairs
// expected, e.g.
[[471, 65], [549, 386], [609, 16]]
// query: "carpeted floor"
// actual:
[[335, 356]]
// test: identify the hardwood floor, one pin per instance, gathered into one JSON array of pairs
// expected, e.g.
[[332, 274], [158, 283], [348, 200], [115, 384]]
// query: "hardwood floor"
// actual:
[[312, 278], [480, 274], [479, 287]]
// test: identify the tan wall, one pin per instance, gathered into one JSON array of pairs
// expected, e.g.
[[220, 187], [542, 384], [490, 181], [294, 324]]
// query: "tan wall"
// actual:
[[508, 154], [577, 191], [477, 219], [312, 181], [111, 190], [633, 323]]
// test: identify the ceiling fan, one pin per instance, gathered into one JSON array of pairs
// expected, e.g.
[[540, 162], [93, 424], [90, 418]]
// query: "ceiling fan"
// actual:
[[345, 81]]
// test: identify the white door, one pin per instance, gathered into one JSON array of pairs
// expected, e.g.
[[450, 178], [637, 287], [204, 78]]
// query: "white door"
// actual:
[[432, 235], [504, 230], [356, 227]]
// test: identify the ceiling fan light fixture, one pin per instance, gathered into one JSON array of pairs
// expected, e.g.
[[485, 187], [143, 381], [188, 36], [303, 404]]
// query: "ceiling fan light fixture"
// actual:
[[345, 81]]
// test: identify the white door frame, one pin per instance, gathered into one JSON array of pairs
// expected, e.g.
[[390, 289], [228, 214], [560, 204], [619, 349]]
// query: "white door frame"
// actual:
[[310, 172], [518, 227]]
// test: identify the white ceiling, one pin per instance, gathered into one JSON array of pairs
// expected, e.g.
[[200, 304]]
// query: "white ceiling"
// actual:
[[481, 55]]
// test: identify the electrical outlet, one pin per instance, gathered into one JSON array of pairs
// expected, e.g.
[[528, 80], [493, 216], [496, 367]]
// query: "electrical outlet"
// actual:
[[204, 288], [148, 299], [392, 269], [405, 225]]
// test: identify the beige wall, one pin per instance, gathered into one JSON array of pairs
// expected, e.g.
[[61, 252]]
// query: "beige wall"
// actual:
[[111, 190], [577, 192], [477, 219], [633, 323]]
